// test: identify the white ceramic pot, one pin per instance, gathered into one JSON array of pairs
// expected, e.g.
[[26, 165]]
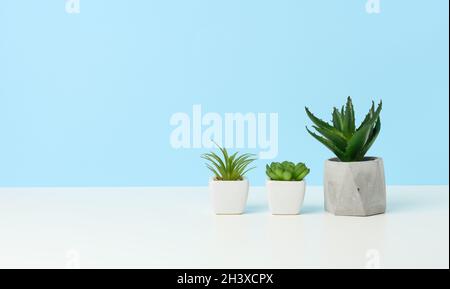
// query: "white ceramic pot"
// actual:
[[286, 198], [229, 197], [355, 188]]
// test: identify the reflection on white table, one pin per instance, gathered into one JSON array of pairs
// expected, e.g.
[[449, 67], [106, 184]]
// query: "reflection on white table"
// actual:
[[175, 228]]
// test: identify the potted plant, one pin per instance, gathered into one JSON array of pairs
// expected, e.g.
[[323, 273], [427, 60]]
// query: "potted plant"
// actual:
[[354, 184], [229, 187], [286, 187]]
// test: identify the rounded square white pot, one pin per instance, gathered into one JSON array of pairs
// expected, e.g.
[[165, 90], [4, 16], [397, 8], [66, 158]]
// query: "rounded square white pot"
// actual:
[[355, 188], [286, 198], [229, 197]]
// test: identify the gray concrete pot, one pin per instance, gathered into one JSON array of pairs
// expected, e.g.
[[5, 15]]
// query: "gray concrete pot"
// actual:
[[355, 188]]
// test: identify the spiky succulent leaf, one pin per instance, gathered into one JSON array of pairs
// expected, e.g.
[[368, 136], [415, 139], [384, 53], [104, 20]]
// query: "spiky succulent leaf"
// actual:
[[329, 144], [318, 121], [372, 114], [349, 118], [357, 143], [360, 138], [337, 120], [368, 116], [346, 141], [373, 136], [334, 136]]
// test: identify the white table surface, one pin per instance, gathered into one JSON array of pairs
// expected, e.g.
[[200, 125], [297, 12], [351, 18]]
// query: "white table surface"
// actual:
[[175, 228]]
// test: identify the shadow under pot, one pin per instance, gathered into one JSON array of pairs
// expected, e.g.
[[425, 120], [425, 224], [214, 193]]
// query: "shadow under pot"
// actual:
[[229, 197], [355, 188]]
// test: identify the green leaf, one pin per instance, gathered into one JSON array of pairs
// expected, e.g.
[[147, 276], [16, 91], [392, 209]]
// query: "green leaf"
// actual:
[[331, 146], [337, 120], [219, 168], [346, 141], [337, 138], [231, 164], [302, 175], [318, 121], [228, 167], [224, 153], [368, 116], [279, 172], [299, 168], [373, 136], [286, 171], [270, 173], [241, 167], [215, 157], [358, 141], [287, 175], [217, 175], [372, 115], [350, 118]]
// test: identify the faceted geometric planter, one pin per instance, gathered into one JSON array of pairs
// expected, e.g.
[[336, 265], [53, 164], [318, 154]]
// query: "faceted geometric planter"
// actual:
[[355, 188]]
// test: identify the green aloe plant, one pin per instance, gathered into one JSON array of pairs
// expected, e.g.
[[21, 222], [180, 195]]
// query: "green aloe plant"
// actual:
[[287, 171], [348, 142], [228, 167]]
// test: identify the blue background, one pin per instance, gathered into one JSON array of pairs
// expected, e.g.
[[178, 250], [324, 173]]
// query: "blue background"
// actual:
[[85, 99]]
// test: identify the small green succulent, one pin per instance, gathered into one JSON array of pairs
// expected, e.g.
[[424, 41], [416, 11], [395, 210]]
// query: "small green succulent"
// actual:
[[287, 171], [228, 168], [348, 142]]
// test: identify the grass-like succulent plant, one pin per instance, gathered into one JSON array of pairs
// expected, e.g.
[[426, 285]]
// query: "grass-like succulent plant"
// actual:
[[228, 167], [287, 171], [348, 142]]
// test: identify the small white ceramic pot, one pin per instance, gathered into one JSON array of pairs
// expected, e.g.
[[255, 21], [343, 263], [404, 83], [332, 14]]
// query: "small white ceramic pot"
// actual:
[[355, 188], [229, 197], [286, 198]]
